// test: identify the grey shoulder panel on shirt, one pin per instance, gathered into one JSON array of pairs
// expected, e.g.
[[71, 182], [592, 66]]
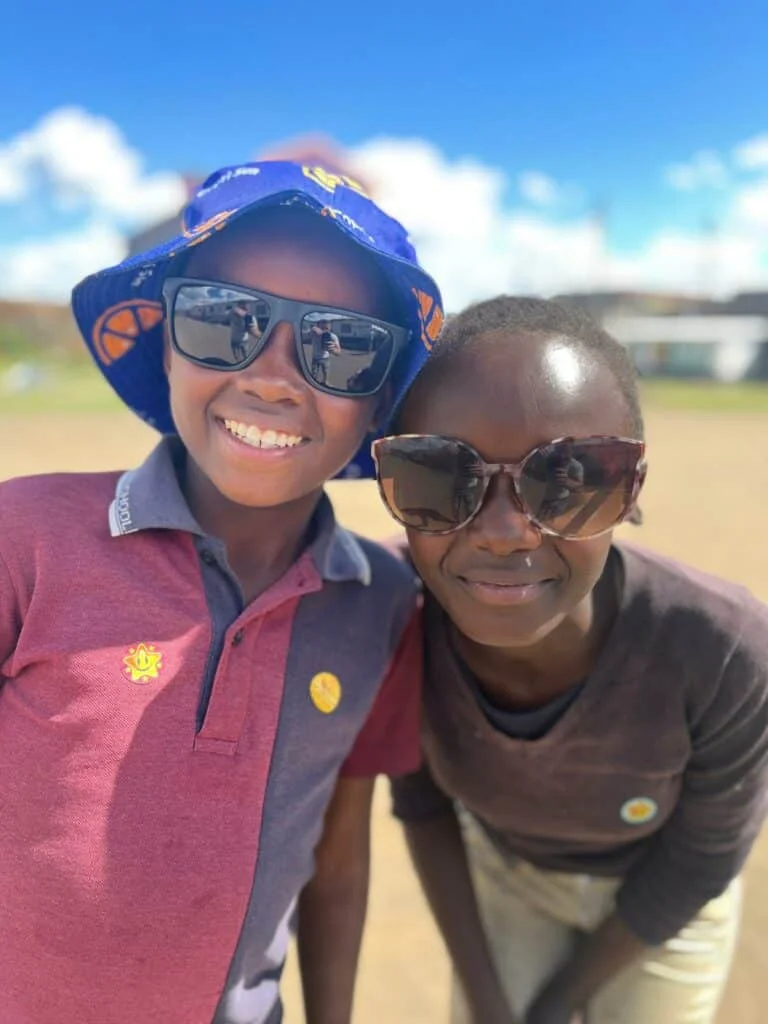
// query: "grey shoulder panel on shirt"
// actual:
[[389, 563], [395, 576]]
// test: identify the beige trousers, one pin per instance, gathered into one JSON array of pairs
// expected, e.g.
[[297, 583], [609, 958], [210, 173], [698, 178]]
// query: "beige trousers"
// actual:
[[533, 919]]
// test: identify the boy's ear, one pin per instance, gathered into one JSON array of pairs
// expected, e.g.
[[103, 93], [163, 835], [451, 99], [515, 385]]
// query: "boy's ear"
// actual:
[[166, 348]]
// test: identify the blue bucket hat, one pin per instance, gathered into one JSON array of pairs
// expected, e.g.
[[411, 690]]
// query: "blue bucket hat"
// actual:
[[120, 310]]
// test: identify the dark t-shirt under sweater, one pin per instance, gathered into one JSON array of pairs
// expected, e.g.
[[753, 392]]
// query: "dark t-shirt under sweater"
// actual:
[[657, 771]]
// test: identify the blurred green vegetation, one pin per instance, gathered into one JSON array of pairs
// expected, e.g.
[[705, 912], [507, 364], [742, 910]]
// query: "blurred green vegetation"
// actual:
[[70, 385], [704, 395]]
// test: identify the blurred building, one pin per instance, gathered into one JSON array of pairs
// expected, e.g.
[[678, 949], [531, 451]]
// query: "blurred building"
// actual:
[[683, 336], [30, 328]]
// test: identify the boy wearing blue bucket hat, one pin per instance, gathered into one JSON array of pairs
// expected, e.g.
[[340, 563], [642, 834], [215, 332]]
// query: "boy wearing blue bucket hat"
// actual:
[[202, 673]]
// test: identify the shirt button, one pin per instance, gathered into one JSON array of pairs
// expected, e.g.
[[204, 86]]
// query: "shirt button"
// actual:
[[207, 556], [238, 637]]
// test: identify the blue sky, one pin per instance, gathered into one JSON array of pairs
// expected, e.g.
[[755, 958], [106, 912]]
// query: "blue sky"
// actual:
[[600, 100]]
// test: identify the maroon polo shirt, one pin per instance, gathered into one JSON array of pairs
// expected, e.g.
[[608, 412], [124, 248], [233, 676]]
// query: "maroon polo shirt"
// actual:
[[167, 751]]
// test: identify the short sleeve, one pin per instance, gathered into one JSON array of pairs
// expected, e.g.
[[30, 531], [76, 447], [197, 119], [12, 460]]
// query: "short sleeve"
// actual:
[[10, 619], [390, 741]]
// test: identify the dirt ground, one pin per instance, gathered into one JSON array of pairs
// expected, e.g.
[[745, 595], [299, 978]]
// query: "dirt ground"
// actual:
[[707, 491]]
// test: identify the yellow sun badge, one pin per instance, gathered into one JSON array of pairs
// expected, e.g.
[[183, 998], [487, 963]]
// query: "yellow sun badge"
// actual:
[[142, 663], [639, 811], [325, 691]]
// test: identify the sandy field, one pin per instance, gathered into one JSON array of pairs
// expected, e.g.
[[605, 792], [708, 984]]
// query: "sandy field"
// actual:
[[707, 491]]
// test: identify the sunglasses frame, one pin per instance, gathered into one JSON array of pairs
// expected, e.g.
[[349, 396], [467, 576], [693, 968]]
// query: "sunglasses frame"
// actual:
[[281, 310], [515, 470]]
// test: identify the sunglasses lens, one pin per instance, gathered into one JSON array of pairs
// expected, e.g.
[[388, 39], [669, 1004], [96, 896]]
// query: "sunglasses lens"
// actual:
[[431, 484], [578, 489], [345, 354], [218, 326]]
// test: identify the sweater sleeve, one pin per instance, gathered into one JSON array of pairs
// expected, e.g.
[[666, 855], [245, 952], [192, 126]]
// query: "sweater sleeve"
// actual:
[[723, 801]]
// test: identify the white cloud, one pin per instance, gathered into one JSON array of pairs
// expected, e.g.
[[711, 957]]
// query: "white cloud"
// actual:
[[751, 205], [474, 239], [478, 245], [705, 169], [83, 161], [49, 268], [752, 154], [538, 188], [412, 180]]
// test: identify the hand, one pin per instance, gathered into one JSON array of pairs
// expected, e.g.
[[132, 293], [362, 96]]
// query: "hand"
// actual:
[[500, 1015], [551, 1007]]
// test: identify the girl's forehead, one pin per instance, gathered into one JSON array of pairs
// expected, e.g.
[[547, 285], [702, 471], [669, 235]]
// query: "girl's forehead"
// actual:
[[532, 386]]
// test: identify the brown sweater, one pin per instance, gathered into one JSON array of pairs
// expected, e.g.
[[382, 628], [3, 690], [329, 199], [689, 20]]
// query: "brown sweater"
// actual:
[[656, 773]]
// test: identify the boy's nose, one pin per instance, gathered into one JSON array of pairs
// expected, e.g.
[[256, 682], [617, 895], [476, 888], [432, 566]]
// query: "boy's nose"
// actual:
[[275, 375]]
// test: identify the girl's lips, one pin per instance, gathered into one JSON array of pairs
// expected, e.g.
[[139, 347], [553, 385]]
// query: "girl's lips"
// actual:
[[501, 594]]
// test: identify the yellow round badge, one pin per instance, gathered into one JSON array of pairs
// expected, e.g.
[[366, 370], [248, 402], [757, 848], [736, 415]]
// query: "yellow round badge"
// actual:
[[325, 691], [639, 811]]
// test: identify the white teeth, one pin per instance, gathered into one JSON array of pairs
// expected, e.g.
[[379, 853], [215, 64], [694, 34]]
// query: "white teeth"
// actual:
[[256, 438]]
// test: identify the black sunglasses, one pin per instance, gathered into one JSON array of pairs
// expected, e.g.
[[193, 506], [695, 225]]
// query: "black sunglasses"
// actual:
[[574, 488], [225, 327]]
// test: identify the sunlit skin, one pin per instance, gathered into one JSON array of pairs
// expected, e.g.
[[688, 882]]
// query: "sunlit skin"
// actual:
[[238, 492], [529, 610]]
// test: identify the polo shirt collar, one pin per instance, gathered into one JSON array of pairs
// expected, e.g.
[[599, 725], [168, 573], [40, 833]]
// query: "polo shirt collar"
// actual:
[[151, 498]]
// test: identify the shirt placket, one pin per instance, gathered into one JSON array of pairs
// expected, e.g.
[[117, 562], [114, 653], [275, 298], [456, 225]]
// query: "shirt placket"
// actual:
[[249, 652]]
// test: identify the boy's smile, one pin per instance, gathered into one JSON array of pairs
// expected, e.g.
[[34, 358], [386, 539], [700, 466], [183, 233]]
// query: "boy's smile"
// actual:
[[264, 439]]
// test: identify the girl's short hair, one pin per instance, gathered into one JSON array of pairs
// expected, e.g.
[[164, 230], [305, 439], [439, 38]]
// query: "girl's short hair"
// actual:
[[510, 314]]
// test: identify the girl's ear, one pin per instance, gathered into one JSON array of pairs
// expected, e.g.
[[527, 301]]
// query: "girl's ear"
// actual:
[[635, 515]]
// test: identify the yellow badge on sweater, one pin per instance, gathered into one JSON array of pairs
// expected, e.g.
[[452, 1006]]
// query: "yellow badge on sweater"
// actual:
[[639, 811]]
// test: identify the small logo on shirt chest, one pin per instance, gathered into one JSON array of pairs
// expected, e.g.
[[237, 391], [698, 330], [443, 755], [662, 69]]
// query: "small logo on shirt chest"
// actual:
[[142, 663], [325, 692], [639, 811]]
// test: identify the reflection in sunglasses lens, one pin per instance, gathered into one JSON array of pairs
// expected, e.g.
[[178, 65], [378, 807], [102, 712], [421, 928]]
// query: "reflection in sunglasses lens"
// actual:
[[578, 489], [430, 483], [350, 355], [218, 326]]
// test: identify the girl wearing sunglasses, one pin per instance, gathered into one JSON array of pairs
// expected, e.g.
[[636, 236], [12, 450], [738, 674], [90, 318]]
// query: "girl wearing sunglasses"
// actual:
[[595, 715]]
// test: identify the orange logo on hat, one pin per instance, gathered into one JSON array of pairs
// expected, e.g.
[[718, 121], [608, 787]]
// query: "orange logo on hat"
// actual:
[[329, 181], [431, 317], [116, 330], [142, 663], [206, 228]]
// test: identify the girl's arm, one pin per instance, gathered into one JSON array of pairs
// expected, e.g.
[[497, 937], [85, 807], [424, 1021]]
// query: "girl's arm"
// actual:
[[437, 850]]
